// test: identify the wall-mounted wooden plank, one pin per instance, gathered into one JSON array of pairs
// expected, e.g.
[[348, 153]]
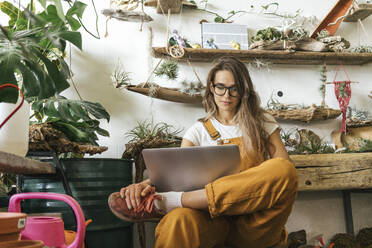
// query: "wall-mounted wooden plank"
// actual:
[[274, 56], [333, 171], [13, 164]]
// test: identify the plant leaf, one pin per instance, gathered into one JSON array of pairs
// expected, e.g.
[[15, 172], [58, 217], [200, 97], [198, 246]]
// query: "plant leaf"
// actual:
[[50, 15], [59, 79], [8, 94], [97, 110], [43, 3], [73, 37], [77, 9], [74, 24], [59, 8]]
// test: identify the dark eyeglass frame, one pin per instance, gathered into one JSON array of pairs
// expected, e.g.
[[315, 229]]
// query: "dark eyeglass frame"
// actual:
[[226, 88]]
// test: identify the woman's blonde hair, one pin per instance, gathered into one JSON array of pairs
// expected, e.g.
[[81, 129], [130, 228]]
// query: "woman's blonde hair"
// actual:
[[249, 116]]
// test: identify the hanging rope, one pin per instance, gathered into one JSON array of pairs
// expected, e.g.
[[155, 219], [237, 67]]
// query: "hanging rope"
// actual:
[[17, 108]]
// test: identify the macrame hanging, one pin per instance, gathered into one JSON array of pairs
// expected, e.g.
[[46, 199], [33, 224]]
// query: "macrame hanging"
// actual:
[[343, 95]]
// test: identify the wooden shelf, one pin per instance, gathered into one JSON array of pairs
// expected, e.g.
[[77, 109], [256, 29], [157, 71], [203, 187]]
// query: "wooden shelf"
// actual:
[[333, 171], [276, 57], [11, 163], [361, 12]]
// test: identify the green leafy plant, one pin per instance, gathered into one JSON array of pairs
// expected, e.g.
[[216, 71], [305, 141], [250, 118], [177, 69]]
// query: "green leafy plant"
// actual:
[[149, 130], [267, 34], [72, 117], [313, 146], [168, 68], [32, 49]]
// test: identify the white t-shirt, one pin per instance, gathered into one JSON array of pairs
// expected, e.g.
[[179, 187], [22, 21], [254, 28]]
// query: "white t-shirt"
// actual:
[[199, 135]]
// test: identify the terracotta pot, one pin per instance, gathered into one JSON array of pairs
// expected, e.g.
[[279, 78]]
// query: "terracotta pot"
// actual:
[[11, 224], [22, 244]]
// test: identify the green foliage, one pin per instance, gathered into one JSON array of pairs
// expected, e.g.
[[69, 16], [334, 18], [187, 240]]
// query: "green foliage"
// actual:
[[268, 34], [6, 182], [312, 147], [343, 92], [75, 118], [32, 46], [362, 49], [365, 145], [149, 130], [168, 68]]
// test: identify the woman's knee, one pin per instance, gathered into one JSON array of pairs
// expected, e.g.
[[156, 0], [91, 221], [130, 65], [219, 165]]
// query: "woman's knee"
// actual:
[[283, 170]]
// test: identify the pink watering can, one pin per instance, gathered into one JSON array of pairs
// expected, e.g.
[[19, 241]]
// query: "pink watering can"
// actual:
[[50, 229]]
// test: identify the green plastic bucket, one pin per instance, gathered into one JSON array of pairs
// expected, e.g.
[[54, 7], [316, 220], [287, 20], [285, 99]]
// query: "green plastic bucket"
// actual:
[[91, 181]]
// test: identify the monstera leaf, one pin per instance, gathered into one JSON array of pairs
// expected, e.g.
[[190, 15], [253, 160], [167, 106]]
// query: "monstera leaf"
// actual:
[[79, 120], [20, 54]]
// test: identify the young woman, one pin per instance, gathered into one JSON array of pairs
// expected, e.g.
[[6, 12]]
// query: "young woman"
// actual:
[[248, 209]]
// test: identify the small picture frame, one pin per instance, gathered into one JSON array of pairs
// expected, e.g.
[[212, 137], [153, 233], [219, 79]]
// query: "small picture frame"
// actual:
[[223, 34]]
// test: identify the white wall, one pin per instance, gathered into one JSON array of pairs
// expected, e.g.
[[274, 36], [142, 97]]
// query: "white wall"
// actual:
[[318, 213]]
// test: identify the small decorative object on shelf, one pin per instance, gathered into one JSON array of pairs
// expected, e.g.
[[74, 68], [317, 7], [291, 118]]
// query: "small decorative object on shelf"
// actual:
[[218, 35], [235, 45]]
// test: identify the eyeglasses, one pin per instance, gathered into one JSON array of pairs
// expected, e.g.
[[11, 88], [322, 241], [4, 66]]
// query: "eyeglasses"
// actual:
[[220, 90]]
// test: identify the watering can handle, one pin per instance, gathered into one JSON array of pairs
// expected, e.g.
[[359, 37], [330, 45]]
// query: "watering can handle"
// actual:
[[15, 206], [17, 108]]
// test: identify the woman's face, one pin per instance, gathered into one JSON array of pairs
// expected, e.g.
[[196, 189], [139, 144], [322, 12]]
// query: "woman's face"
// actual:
[[225, 99]]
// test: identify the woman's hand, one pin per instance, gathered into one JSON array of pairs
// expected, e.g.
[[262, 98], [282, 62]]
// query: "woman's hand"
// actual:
[[134, 192]]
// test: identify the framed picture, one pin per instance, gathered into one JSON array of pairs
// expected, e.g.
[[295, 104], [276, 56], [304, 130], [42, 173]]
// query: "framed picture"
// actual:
[[223, 34]]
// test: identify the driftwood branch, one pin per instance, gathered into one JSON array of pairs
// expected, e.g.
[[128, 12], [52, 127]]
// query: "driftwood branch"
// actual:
[[166, 94], [128, 16]]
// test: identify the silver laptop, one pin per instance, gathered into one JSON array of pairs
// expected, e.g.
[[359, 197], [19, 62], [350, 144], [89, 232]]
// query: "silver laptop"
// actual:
[[189, 168]]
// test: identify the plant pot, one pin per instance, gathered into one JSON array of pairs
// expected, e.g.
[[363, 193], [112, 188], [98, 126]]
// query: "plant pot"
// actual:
[[22, 244], [11, 224], [14, 133]]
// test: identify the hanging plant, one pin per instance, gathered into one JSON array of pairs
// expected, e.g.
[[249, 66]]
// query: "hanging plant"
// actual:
[[120, 77], [168, 68]]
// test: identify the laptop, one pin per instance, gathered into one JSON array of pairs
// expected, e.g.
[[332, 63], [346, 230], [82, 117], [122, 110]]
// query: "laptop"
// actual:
[[189, 168]]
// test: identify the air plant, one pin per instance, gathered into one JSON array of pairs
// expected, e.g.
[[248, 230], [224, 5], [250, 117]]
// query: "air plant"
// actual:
[[357, 114], [365, 145], [362, 49], [192, 88], [168, 68], [151, 131], [120, 77]]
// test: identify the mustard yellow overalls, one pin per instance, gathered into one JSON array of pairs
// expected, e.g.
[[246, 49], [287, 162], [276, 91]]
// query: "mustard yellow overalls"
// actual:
[[248, 209]]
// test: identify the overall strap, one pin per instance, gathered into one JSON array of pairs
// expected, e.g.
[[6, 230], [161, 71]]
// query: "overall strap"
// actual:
[[211, 130]]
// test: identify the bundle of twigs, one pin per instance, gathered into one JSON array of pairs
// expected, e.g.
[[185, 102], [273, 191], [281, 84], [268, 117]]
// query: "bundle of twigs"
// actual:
[[43, 137]]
